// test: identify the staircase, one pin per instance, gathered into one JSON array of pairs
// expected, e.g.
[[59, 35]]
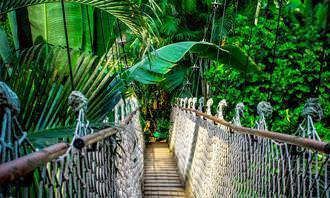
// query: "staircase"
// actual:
[[161, 177]]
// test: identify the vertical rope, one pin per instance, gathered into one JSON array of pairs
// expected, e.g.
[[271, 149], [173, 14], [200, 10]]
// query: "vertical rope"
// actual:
[[109, 41], [67, 44], [236, 11], [323, 65], [89, 27], [222, 21], [122, 44], [103, 37], [208, 26], [213, 16], [198, 78], [274, 50]]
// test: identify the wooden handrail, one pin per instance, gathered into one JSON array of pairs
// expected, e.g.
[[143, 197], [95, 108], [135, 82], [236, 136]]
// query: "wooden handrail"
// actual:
[[20, 167], [320, 146]]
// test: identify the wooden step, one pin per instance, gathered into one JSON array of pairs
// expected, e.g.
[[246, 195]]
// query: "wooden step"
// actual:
[[162, 180], [160, 192], [160, 170], [159, 184], [164, 177], [161, 176], [165, 188]]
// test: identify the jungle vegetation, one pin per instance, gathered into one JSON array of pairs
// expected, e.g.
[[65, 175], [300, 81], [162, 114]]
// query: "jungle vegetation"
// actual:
[[260, 50]]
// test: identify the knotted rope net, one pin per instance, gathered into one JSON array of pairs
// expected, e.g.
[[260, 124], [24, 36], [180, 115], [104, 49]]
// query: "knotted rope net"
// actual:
[[130, 160], [13, 141], [112, 166], [217, 161]]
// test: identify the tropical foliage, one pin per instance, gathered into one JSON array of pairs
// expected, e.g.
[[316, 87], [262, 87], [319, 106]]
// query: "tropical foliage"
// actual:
[[294, 69], [39, 71], [243, 51]]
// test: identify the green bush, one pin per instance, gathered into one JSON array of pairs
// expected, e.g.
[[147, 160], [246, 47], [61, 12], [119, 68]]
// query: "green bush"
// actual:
[[293, 78]]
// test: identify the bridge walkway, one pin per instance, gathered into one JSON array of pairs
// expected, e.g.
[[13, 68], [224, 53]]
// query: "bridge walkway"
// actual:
[[161, 177]]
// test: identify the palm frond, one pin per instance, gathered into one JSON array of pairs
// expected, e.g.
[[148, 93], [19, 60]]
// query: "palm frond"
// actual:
[[124, 10], [5, 52], [41, 80], [170, 25]]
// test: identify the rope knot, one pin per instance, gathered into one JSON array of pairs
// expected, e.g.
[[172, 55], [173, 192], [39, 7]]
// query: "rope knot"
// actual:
[[201, 103], [209, 104], [313, 108], [239, 112], [78, 101], [181, 102], [185, 100], [190, 102], [194, 101], [221, 105], [265, 109], [239, 109], [9, 98]]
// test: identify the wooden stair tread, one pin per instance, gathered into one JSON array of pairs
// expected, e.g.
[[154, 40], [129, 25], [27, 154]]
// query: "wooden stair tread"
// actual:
[[161, 176], [160, 181], [164, 193]]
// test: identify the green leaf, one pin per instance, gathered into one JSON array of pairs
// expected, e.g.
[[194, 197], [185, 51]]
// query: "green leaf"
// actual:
[[238, 59], [47, 137], [189, 5], [124, 10], [47, 25], [12, 19], [41, 81], [151, 69], [170, 25], [174, 78], [5, 51], [160, 135]]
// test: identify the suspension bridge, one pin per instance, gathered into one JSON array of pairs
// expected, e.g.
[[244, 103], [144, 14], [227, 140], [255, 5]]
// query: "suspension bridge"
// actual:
[[206, 156]]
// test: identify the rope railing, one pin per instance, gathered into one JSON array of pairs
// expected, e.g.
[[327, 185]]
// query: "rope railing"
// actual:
[[108, 163], [217, 158]]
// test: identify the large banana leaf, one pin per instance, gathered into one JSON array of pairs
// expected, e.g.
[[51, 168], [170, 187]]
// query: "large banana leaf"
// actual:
[[124, 10], [151, 69], [46, 22], [174, 78], [88, 29]]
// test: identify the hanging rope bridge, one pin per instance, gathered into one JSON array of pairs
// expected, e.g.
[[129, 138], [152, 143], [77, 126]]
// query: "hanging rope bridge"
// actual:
[[87, 167], [206, 155], [221, 159], [215, 158]]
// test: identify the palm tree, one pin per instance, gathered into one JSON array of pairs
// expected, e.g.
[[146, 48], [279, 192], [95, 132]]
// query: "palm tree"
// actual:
[[39, 71]]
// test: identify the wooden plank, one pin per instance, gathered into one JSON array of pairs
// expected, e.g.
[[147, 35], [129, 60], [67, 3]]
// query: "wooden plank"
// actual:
[[161, 176]]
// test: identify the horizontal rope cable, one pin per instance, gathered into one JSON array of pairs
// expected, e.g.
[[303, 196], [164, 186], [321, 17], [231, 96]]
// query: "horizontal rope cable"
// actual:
[[20, 167], [290, 139], [216, 159]]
